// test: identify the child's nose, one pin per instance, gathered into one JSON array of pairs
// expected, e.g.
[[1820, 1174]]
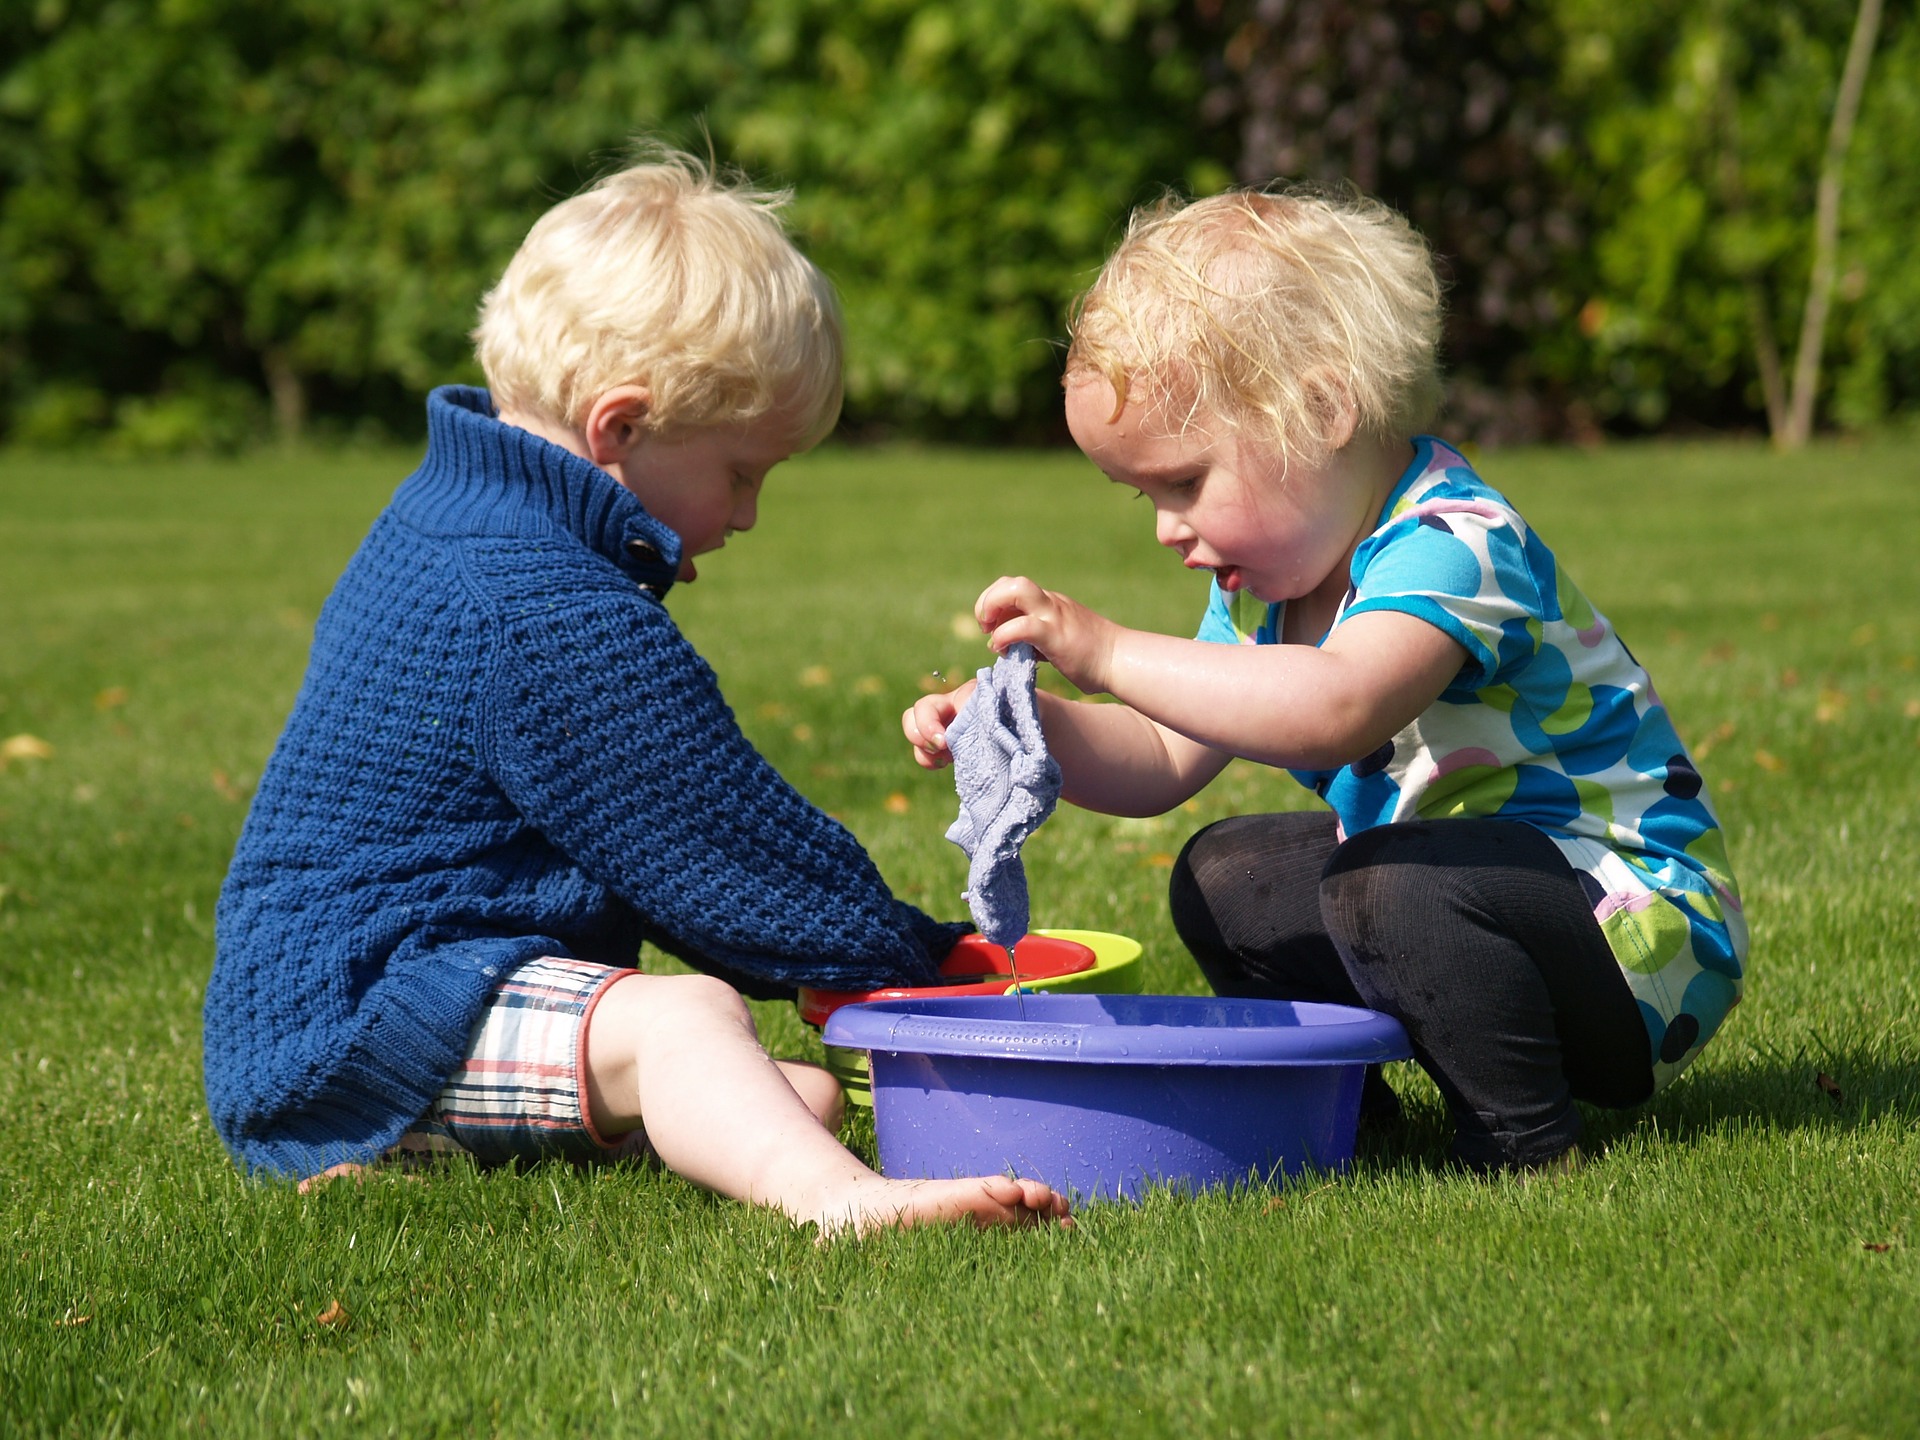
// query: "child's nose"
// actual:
[[1170, 529], [746, 510]]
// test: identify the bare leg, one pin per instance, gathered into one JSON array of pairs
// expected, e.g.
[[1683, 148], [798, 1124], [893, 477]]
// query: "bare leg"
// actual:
[[818, 1091], [677, 1055]]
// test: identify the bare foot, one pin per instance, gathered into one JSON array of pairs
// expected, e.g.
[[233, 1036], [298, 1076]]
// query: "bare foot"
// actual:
[[985, 1200], [348, 1170]]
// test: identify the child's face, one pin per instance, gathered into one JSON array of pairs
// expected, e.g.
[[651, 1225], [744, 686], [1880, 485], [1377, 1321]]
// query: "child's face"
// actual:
[[1276, 531], [705, 484]]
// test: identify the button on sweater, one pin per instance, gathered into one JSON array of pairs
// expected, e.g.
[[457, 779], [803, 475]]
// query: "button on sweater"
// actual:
[[504, 748]]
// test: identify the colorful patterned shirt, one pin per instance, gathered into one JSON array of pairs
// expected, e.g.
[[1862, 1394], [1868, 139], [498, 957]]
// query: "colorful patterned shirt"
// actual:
[[1551, 721]]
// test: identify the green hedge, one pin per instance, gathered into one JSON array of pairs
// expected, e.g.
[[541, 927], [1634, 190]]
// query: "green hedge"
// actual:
[[218, 215]]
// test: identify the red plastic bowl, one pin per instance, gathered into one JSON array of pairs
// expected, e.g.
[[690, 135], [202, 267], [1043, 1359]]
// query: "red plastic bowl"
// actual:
[[975, 966]]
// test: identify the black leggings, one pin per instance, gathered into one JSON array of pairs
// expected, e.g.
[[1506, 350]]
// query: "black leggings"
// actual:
[[1475, 934]]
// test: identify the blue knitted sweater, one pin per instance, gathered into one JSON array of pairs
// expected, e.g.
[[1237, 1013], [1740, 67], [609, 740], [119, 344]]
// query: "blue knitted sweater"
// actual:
[[504, 748]]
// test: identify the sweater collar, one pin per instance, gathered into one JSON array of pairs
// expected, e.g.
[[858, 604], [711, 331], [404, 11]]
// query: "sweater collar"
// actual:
[[483, 477]]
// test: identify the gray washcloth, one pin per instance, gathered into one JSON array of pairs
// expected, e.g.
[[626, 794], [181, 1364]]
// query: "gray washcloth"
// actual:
[[1008, 784]]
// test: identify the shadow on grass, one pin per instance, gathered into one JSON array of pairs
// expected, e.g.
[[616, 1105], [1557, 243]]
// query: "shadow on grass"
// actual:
[[1826, 1088], [1837, 1088]]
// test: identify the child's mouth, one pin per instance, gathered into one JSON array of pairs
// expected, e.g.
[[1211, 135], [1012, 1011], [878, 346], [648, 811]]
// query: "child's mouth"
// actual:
[[1227, 577]]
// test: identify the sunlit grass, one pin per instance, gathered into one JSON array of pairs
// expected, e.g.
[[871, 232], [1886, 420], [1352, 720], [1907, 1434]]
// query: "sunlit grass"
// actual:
[[1738, 1257]]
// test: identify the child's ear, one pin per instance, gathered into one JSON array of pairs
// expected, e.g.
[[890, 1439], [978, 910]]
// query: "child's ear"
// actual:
[[1335, 413], [616, 423]]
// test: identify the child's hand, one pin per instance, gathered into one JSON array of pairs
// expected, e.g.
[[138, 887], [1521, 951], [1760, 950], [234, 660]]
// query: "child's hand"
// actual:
[[1076, 641], [926, 722]]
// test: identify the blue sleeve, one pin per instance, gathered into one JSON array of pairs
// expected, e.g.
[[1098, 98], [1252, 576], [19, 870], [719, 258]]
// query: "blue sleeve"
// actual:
[[1217, 625], [1463, 567], [1239, 620], [609, 733]]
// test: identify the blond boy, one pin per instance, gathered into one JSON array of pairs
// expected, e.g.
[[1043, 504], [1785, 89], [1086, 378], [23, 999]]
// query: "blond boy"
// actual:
[[507, 767]]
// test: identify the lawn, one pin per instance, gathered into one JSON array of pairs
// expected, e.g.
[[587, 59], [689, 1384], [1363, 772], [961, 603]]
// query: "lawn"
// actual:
[[1738, 1257]]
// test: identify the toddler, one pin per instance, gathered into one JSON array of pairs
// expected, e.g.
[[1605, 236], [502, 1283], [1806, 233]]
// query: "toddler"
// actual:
[[1520, 862], [507, 768]]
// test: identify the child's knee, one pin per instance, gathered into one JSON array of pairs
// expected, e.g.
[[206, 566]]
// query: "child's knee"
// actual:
[[644, 1008], [1192, 902], [707, 997], [1207, 876], [1186, 895]]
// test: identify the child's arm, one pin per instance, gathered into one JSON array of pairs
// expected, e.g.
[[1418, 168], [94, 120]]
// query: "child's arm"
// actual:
[[1112, 758], [1190, 706], [608, 733]]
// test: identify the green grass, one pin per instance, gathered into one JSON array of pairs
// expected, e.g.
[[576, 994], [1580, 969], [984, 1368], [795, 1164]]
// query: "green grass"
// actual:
[[1738, 1257]]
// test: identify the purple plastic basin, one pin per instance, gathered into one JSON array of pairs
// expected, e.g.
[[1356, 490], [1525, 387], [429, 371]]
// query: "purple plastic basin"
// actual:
[[1104, 1095]]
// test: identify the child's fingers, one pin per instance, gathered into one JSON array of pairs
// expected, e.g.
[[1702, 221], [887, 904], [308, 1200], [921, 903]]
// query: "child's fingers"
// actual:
[[925, 725], [1012, 631], [928, 753], [1008, 596], [923, 731]]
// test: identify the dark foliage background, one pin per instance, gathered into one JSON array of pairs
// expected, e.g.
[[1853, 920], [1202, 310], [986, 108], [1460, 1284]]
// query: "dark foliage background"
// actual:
[[221, 217]]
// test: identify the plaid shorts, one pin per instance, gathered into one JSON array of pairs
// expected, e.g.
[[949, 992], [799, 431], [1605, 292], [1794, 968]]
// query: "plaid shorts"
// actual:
[[521, 1093]]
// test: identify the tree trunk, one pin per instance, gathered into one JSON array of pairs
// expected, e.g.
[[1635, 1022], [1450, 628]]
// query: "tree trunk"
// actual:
[[1766, 352], [1826, 228]]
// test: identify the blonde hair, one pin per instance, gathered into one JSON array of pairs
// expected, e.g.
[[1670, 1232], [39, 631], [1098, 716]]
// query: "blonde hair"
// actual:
[[669, 276], [1268, 312]]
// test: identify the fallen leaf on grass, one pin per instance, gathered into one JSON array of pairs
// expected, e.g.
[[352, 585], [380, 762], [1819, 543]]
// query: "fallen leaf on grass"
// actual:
[[335, 1314], [1879, 1247], [898, 804], [24, 747], [964, 626], [226, 789], [815, 676], [69, 1320], [110, 698], [1718, 736], [869, 685], [1769, 762], [1827, 1083], [1160, 861], [1278, 1202]]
